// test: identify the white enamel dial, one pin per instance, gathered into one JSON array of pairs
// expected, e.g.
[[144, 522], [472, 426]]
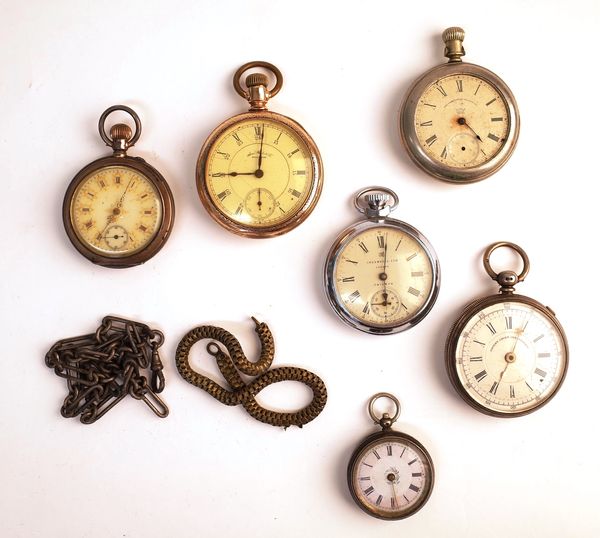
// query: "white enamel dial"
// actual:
[[510, 357]]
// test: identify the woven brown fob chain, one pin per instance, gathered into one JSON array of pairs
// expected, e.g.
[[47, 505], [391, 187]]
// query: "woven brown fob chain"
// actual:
[[242, 394], [103, 367]]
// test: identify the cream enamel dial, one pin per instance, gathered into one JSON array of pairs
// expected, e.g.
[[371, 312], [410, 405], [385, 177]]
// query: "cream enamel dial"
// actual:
[[383, 276], [461, 121], [259, 173], [116, 210], [510, 357]]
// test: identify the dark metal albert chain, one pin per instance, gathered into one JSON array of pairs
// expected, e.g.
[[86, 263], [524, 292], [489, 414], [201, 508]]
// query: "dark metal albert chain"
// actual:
[[242, 394], [103, 367]]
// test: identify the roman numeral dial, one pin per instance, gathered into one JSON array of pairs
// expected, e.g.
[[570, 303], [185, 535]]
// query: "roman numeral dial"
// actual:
[[467, 124], [266, 169], [510, 357], [116, 211], [382, 276], [391, 477]]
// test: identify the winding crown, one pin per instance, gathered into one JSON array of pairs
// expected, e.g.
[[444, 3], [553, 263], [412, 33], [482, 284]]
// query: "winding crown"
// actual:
[[256, 79], [454, 33], [377, 199], [120, 131]]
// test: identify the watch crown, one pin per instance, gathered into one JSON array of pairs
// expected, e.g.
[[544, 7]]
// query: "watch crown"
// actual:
[[377, 200], [121, 131], [256, 79], [453, 38]]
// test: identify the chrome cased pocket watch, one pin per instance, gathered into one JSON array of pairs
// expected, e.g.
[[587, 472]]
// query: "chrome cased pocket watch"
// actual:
[[507, 354], [259, 174], [382, 275], [118, 211], [459, 121], [390, 474]]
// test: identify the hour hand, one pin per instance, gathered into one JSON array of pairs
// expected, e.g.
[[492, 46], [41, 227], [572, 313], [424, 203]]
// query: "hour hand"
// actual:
[[232, 174]]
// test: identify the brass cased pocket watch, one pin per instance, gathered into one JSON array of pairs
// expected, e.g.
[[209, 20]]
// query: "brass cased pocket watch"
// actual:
[[118, 211], [259, 174], [390, 474], [507, 354], [459, 121], [382, 276]]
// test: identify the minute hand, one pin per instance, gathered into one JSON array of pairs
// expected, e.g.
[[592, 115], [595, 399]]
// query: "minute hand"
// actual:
[[232, 174]]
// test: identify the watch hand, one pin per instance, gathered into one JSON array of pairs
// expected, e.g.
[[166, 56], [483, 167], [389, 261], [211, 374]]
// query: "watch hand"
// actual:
[[262, 136], [232, 174], [259, 202], [463, 121], [394, 492]]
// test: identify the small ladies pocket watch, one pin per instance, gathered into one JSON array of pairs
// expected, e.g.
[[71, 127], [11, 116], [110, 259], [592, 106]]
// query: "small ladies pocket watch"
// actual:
[[259, 174], [507, 354], [459, 121], [381, 275], [390, 474], [118, 211]]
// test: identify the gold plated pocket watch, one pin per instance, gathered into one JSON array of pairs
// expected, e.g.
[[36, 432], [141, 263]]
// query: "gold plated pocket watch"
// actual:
[[382, 276], [390, 474], [118, 211], [507, 354], [459, 121], [259, 174]]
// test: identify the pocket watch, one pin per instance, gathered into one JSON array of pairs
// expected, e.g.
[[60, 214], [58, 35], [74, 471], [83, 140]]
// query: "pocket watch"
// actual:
[[381, 275], [507, 354], [259, 174], [390, 474], [118, 211], [459, 121]]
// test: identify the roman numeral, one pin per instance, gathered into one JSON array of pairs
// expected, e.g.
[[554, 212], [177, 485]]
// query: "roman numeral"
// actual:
[[444, 153], [398, 245], [366, 308], [512, 391], [431, 140], [224, 194], [353, 296], [292, 152], [541, 373], [369, 490], [350, 261], [414, 488], [417, 474], [88, 225], [389, 450], [117, 179], [411, 257], [494, 388], [529, 386], [367, 464], [411, 462], [276, 141], [91, 194], [426, 124], [148, 212], [490, 102], [102, 184], [414, 292], [223, 154], [538, 338], [493, 137], [365, 478], [239, 209], [143, 196], [491, 328], [237, 139], [428, 104], [392, 502], [376, 454], [459, 85], [508, 321], [379, 499], [281, 209], [257, 131], [299, 172], [403, 451], [348, 279], [477, 89], [481, 375], [381, 241], [441, 90], [416, 273], [497, 119], [476, 359], [543, 355], [296, 193], [85, 209], [478, 342], [363, 246], [143, 228]]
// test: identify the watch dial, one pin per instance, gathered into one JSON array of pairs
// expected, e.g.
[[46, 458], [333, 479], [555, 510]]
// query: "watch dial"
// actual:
[[259, 173], [391, 477], [383, 276], [116, 211], [510, 357], [461, 121]]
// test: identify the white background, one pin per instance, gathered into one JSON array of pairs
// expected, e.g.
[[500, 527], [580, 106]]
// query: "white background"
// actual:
[[211, 470]]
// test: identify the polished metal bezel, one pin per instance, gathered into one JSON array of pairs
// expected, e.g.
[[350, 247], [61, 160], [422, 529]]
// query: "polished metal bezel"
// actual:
[[348, 235], [445, 172], [379, 438], [121, 261], [471, 310], [294, 219]]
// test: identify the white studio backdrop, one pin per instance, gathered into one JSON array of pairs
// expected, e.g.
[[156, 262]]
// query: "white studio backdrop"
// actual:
[[211, 470]]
